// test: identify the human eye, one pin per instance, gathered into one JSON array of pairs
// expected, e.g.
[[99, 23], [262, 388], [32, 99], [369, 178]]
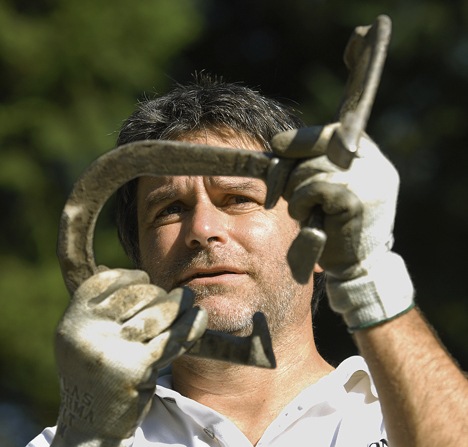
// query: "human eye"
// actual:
[[169, 214], [173, 208], [239, 203], [239, 195], [238, 200]]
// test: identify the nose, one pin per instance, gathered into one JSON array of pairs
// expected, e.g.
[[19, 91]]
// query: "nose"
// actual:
[[208, 225]]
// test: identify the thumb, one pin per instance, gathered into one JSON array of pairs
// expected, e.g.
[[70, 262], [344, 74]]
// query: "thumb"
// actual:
[[106, 282], [307, 142]]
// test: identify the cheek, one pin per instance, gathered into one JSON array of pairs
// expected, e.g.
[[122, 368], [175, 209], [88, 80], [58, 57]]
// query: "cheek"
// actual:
[[272, 232], [157, 245]]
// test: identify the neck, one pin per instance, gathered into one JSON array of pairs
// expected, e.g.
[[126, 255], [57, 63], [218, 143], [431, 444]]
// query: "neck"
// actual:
[[222, 386]]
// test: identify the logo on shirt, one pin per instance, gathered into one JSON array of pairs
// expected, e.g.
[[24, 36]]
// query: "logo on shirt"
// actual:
[[381, 443]]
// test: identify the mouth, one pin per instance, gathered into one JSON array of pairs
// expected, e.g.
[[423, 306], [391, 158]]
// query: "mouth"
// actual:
[[209, 276]]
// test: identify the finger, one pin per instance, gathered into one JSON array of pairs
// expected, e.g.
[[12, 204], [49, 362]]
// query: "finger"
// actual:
[[367, 146], [102, 268], [179, 338], [126, 302], [161, 313], [319, 168], [307, 142], [102, 284], [334, 199], [305, 252]]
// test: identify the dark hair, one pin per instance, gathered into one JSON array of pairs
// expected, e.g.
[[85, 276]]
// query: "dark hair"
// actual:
[[206, 104]]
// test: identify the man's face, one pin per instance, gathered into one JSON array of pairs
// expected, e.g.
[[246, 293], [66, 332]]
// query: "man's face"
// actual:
[[213, 235]]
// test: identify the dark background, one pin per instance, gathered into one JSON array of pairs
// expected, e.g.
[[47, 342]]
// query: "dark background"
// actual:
[[72, 70]]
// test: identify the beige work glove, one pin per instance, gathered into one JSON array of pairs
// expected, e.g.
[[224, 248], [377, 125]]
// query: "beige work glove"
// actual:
[[116, 333], [366, 282]]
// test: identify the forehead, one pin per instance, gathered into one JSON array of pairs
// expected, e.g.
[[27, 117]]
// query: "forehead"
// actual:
[[221, 138]]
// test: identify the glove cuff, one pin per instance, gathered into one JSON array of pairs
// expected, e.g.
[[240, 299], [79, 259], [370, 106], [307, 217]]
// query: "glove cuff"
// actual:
[[384, 292]]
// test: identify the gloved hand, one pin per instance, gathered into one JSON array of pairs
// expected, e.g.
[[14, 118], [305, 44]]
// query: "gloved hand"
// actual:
[[366, 282], [116, 333]]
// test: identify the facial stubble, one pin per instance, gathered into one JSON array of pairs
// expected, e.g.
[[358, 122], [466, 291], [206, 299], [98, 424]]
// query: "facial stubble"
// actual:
[[271, 291]]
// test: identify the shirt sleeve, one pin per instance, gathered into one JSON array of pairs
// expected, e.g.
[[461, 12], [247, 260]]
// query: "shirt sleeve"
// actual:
[[44, 439]]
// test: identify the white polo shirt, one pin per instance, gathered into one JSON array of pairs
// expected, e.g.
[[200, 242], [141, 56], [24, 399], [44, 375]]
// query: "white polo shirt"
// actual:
[[340, 410]]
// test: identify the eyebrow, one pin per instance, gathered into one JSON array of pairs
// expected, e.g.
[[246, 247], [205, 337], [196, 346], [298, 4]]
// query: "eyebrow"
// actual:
[[240, 184], [157, 196]]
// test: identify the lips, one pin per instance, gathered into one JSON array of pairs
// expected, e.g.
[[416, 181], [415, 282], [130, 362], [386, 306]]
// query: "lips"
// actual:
[[211, 274]]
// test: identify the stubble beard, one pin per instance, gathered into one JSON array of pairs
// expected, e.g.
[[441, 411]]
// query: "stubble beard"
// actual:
[[238, 319], [272, 295]]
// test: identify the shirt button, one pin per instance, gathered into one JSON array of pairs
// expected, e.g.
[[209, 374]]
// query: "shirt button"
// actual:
[[209, 433]]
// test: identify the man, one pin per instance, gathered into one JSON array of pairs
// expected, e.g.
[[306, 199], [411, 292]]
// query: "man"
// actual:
[[220, 257]]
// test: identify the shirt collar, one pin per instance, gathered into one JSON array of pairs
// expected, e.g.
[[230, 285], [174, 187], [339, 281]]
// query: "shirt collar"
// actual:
[[351, 376]]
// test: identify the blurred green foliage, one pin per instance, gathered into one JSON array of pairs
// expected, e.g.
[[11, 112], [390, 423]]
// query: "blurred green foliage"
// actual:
[[72, 70]]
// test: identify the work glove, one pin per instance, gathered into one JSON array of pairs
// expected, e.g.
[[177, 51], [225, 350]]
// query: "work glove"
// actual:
[[366, 282], [114, 336]]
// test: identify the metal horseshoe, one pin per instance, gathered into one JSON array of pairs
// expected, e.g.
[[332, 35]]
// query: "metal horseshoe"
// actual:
[[364, 56]]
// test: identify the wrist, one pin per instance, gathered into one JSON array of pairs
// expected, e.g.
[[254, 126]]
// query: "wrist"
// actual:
[[382, 293]]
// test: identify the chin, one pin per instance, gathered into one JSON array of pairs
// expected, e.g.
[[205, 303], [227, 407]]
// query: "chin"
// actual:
[[227, 310], [235, 323], [245, 331]]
